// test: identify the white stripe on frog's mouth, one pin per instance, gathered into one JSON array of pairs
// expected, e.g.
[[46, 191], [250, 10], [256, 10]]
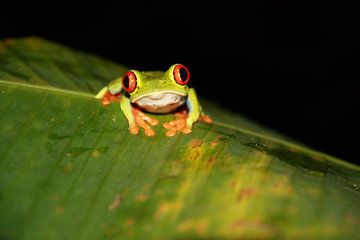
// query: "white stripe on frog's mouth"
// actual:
[[161, 102]]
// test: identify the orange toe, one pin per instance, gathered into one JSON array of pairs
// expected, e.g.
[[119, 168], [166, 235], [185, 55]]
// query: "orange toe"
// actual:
[[177, 125]]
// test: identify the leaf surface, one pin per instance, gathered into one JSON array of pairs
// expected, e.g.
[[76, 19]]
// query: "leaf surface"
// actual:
[[69, 169]]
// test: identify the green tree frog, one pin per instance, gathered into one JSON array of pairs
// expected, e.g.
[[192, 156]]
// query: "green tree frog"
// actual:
[[155, 92]]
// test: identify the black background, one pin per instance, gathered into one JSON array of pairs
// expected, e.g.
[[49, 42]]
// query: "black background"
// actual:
[[291, 65]]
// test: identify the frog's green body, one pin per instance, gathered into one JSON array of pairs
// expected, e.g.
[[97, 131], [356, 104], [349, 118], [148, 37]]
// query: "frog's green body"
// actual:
[[155, 92]]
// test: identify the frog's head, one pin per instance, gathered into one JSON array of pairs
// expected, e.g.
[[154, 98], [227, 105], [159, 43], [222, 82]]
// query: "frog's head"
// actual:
[[155, 91]]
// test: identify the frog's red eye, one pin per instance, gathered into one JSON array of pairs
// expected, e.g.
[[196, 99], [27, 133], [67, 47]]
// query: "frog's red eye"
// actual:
[[129, 81], [181, 74]]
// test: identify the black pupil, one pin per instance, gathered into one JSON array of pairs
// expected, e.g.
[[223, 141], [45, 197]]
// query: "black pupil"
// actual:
[[126, 82], [183, 74]]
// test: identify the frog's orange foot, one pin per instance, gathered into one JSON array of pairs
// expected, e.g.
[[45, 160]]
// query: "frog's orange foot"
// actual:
[[205, 118], [177, 125], [134, 129], [143, 121], [109, 98]]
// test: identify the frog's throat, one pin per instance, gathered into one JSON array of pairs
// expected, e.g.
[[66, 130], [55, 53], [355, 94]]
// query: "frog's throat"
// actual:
[[161, 102], [133, 100]]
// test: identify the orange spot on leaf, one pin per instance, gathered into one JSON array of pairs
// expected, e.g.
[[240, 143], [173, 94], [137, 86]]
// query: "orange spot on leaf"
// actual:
[[9, 42], [211, 162], [185, 226], [195, 143], [141, 197], [111, 231], [251, 224], [59, 210], [115, 204], [245, 193], [129, 222], [166, 208]]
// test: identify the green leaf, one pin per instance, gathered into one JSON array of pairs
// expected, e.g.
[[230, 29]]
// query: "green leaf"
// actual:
[[69, 168]]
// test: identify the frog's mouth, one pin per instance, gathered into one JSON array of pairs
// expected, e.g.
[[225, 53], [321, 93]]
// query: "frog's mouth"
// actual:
[[161, 102]]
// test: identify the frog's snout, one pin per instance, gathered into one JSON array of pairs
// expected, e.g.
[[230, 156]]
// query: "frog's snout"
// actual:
[[157, 96]]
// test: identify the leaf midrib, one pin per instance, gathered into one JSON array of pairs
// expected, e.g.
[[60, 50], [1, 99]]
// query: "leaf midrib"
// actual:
[[224, 125], [47, 88]]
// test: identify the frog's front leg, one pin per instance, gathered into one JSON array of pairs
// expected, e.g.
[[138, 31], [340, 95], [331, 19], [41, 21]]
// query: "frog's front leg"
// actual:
[[184, 121], [110, 93], [136, 118], [195, 110]]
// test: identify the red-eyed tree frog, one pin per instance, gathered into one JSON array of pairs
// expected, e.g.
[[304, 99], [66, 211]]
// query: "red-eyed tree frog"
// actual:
[[155, 92]]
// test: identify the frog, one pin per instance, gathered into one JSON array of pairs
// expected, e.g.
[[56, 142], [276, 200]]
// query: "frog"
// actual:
[[156, 92]]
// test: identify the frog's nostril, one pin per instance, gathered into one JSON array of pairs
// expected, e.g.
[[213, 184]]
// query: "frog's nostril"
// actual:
[[156, 96]]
